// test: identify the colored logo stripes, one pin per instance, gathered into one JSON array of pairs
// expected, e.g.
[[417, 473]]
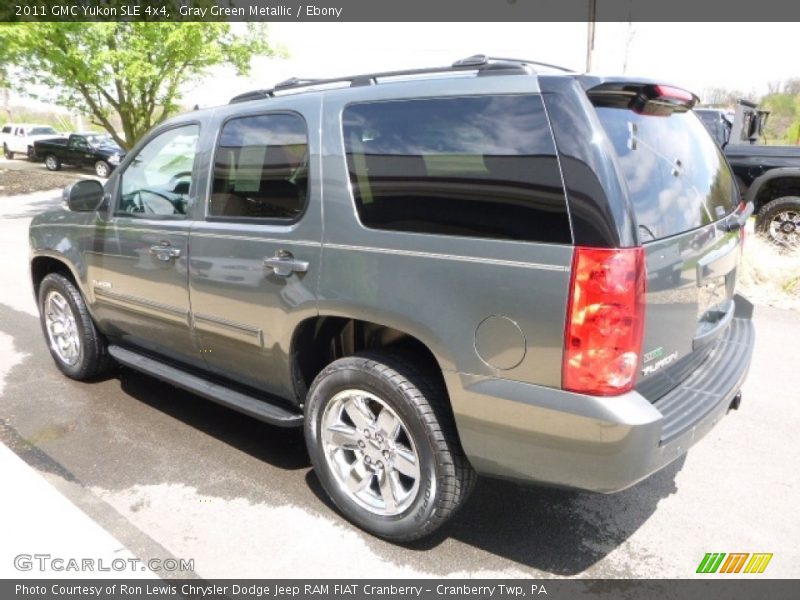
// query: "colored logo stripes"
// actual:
[[736, 562]]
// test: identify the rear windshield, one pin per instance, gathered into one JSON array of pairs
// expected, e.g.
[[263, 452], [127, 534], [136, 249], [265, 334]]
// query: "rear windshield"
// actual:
[[677, 177], [42, 131]]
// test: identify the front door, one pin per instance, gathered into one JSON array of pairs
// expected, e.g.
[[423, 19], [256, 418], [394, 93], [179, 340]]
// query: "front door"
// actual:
[[80, 151], [138, 273], [255, 256]]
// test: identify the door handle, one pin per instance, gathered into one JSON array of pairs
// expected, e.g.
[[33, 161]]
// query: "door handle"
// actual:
[[164, 251], [284, 264]]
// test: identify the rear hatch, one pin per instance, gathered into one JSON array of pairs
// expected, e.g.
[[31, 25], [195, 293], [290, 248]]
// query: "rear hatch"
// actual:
[[689, 220]]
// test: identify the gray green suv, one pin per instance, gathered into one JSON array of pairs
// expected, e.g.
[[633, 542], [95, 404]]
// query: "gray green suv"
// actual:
[[495, 268]]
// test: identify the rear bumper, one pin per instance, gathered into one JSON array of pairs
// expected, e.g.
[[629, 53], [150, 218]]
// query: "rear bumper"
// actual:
[[530, 433]]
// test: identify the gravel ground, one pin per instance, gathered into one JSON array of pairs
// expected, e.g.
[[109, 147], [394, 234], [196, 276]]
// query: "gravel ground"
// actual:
[[20, 176]]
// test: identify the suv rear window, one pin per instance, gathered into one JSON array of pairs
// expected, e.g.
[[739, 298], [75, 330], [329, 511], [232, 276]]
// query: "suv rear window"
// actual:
[[677, 177], [482, 166]]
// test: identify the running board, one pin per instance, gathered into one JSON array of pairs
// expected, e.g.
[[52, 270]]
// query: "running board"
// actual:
[[258, 408]]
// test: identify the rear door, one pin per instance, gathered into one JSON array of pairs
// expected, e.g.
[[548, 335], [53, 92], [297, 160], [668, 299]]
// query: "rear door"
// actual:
[[685, 201], [255, 253]]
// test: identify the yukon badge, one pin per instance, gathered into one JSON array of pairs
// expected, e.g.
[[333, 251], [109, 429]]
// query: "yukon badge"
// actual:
[[662, 362]]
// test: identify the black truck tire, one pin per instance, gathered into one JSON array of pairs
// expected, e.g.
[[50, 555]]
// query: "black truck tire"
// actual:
[[779, 221], [7, 153], [102, 169], [401, 476], [52, 162]]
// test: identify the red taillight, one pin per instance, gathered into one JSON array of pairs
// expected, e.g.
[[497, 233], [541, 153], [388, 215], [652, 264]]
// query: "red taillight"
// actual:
[[605, 320]]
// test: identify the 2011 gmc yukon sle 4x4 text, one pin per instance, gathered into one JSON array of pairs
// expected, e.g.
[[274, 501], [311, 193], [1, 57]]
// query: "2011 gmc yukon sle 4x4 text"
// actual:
[[492, 268]]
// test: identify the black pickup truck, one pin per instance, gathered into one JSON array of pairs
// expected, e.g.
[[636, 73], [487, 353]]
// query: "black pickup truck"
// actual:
[[95, 150], [769, 176]]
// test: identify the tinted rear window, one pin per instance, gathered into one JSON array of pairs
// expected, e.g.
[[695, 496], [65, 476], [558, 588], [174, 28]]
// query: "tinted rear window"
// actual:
[[481, 166], [677, 177]]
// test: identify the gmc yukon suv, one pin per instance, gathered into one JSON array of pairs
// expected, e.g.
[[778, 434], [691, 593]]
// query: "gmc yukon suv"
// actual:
[[492, 268]]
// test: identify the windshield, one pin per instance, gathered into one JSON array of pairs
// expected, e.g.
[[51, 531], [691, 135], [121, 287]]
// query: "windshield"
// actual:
[[677, 177], [43, 131]]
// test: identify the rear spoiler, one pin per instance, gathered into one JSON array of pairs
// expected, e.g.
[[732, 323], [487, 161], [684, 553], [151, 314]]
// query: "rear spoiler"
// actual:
[[647, 98]]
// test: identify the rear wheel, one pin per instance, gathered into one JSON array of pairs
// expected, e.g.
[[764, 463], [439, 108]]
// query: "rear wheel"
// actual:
[[779, 220], [384, 445], [31, 153], [52, 163], [77, 348], [7, 153]]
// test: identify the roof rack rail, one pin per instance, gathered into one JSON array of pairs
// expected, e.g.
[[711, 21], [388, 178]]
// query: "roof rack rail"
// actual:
[[488, 65], [482, 59]]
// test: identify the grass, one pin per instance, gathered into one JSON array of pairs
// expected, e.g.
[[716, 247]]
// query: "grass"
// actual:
[[770, 275]]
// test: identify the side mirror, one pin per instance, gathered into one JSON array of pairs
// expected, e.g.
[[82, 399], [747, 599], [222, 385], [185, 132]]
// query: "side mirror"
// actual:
[[85, 195]]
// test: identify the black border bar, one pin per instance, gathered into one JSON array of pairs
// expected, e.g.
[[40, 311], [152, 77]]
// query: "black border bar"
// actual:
[[487, 11]]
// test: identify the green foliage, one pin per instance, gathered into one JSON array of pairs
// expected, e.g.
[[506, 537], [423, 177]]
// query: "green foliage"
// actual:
[[783, 125], [129, 72]]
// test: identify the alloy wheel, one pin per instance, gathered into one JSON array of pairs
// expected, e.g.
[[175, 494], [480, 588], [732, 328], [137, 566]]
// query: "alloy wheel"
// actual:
[[370, 452], [62, 329]]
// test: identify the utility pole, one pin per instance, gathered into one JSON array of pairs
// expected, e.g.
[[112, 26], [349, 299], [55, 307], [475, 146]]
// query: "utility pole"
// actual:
[[590, 34]]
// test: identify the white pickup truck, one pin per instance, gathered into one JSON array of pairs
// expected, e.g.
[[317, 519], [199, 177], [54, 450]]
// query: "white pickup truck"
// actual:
[[18, 138]]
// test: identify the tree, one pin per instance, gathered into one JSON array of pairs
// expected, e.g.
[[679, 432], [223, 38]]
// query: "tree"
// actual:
[[721, 96], [126, 72], [784, 117]]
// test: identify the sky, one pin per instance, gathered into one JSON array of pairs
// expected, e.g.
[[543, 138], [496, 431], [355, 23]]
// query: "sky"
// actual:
[[696, 56]]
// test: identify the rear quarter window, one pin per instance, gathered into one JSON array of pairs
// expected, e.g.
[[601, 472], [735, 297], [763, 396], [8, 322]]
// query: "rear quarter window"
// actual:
[[677, 177], [480, 166]]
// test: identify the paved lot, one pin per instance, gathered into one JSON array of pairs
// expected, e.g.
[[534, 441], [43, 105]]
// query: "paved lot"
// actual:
[[168, 474]]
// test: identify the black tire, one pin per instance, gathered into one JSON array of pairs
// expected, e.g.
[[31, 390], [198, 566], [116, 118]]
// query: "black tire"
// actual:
[[31, 153], [52, 162], [93, 359], [419, 398], [7, 153], [771, 213], [102, 169]]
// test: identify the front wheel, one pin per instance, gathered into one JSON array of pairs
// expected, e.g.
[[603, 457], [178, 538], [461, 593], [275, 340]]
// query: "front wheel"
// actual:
[[77, 348], [102, 169], [7, 153], [384, 446], [52, 163]]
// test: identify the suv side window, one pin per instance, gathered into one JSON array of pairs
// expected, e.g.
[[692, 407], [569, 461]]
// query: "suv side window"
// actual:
[[158, 180], [6, 129], [480, 166], [261, 168]]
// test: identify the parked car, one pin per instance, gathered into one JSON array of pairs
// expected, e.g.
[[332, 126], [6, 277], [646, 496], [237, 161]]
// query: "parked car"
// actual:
[[95, 150], [20, 138], [768, 176], [455, 278]]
